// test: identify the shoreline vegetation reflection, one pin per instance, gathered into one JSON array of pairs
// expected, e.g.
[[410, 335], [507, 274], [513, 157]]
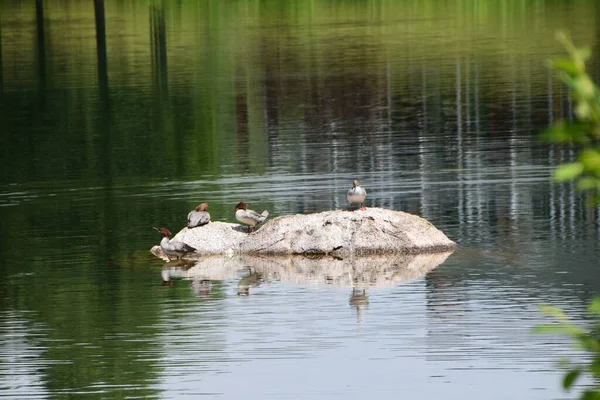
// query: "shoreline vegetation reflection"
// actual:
[[269, 78]]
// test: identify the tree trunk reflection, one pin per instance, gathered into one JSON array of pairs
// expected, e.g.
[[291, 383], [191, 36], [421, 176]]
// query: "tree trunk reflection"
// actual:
[[100, 19], [41, 46]]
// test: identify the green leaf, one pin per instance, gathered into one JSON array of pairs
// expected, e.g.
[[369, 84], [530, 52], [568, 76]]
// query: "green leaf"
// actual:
[[587, 342], [565, 363], [583, 111], [561, 329], [583, 54], [562, 132], [594, 200], [594, 307], [590, 394], [563, 38], [584, 87], [567, 172], [570, 378], [588, 183], [552, 311], [577, 55], [545, 328], [595, 367], [567, 79], [565, 65], [590, 159]]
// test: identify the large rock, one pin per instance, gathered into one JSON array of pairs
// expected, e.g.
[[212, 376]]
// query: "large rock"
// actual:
[[341, 233]]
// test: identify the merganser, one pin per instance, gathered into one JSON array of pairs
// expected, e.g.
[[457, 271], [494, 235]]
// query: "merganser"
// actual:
[[356, 195], [249, 217], [173, 247], [198, 216]]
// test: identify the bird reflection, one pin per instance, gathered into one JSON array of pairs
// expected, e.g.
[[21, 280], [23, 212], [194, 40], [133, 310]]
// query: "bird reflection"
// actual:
[[360, 301], [166, 278], [358, 296], [252, 280], [201, 286]]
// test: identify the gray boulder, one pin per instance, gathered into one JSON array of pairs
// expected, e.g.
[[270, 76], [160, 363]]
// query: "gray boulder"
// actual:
[[338, 233]]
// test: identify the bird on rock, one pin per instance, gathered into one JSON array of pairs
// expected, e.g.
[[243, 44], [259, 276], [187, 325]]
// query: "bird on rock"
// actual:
[[356, 195], [173, 248], [198, 216], [249, 217]]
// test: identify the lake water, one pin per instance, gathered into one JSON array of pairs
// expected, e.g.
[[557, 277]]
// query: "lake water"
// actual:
[[125, 116]]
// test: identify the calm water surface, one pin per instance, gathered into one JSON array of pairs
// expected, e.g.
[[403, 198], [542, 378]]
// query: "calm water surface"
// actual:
[[124, 117]]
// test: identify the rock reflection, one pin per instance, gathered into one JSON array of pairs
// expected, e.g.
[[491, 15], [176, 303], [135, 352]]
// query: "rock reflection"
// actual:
[[199, 285], [356, 273]]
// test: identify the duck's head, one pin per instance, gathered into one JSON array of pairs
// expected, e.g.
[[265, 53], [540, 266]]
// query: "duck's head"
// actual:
[[241, 206], [163, 231], [355, 183], [202, 207]]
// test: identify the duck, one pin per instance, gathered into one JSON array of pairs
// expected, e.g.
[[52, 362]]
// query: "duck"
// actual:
[[356, 195], [249, 217], [198, 216], [173, 247]]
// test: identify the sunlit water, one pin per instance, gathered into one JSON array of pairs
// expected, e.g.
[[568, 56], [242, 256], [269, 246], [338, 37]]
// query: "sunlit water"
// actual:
[[434, 108]]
